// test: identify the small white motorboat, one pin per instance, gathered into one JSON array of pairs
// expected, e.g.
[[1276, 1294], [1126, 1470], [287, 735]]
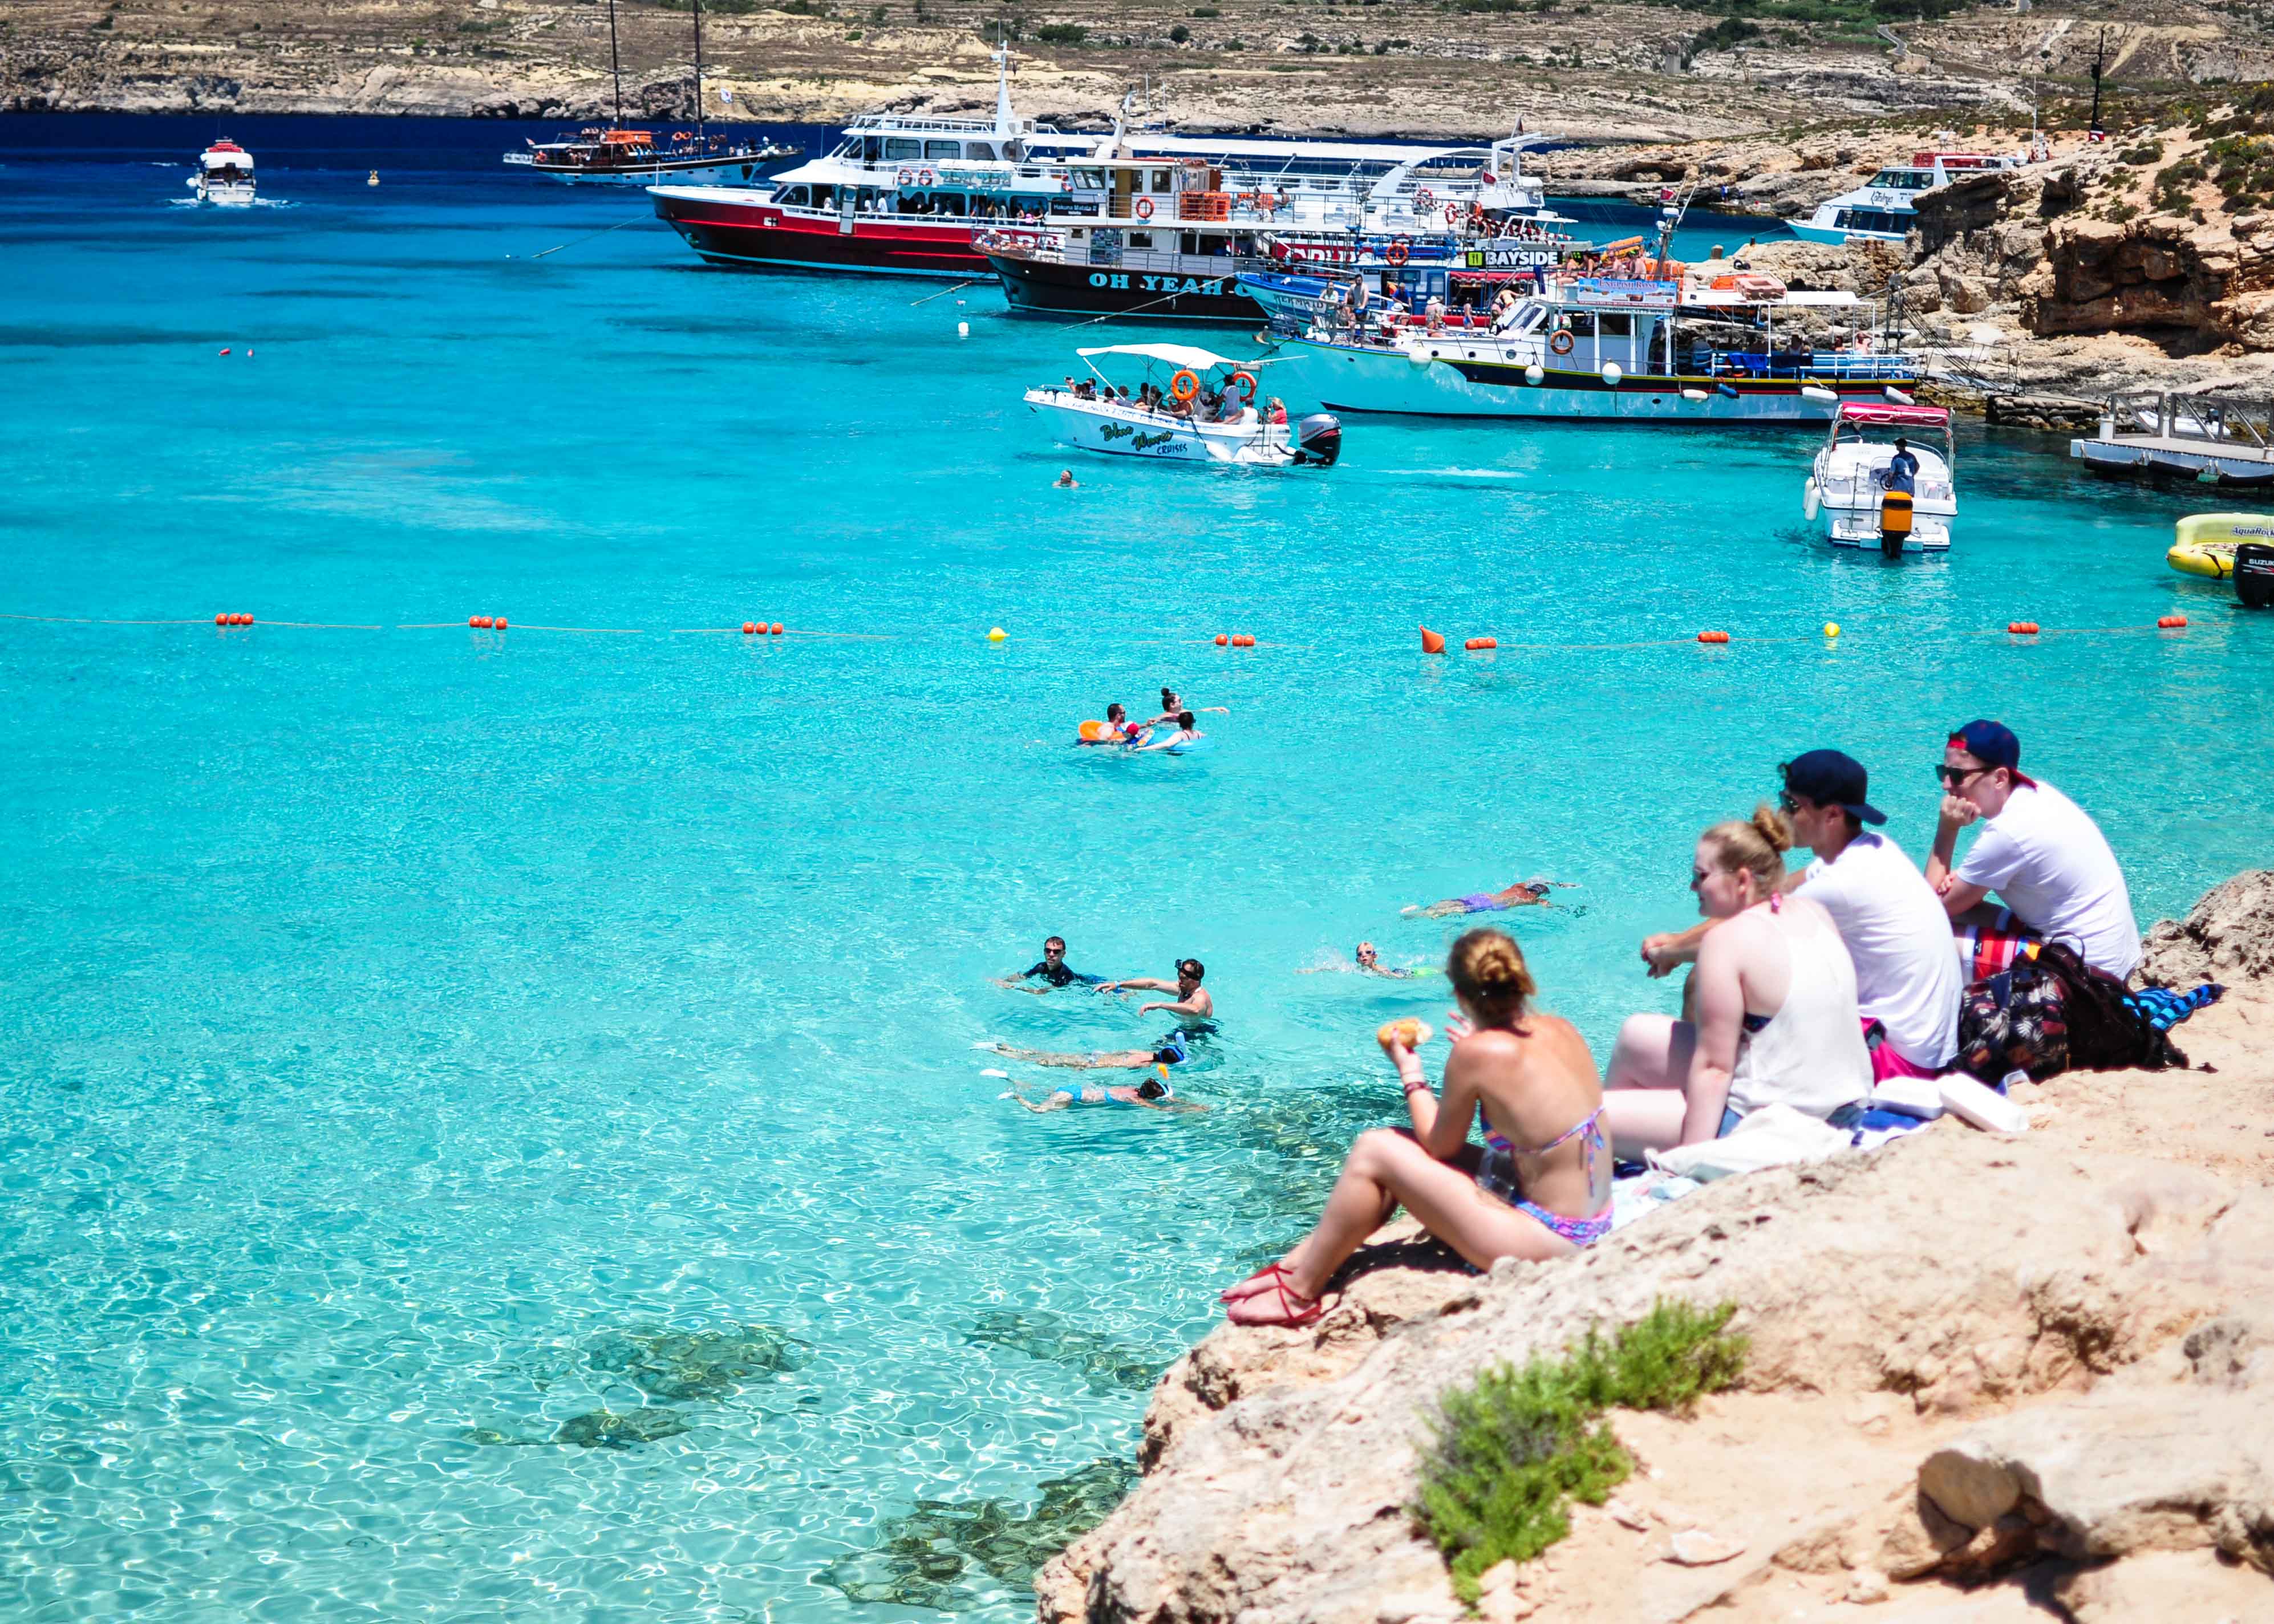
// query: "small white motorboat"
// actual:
[[1189, 406], [1860, 499], [224, 175]]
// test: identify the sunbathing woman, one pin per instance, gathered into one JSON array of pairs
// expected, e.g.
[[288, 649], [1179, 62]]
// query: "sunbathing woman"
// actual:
[[1523, 894], [1540, 1187]]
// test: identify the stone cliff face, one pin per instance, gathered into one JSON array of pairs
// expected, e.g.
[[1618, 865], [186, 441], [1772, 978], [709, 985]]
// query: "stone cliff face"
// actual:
[[2020, 1366]]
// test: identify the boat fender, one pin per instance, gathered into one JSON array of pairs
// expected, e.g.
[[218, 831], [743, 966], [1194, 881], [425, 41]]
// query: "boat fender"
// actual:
[[1897, 395], [1693, 395], [1561, 343], [1534, 374], [1612, 374], [1723, 389], [1818, 393], [1420, 357], [1812, 501], [1184, 385]]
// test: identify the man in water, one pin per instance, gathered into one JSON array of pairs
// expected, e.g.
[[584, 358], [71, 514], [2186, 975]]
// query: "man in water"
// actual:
[[1119, 728], [1186, 733], [1902, 469], [1369, 963], [1175, 1048], [1067, 481], [1523, 894], [1053, 969], [1153, 1095]]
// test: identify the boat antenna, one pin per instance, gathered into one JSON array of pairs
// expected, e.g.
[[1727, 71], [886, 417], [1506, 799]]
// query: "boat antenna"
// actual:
[[1669, 217], [698, 69], [1004, 124], [616, 66]]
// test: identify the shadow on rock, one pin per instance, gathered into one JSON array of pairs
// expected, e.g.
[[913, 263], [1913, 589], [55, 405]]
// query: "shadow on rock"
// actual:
[[925, 1554]]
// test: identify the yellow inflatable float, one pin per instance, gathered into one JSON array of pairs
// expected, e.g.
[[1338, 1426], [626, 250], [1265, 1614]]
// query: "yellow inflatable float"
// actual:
[[2205, 542]]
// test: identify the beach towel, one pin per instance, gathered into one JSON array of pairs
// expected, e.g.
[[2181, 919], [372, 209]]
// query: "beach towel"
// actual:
[[2163, 1008]]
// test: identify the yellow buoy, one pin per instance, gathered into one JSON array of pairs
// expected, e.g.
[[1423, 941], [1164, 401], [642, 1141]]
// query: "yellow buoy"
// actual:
[[996, 635], [1832, 628]]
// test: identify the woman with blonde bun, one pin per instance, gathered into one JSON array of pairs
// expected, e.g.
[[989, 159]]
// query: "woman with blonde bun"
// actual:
[[1775, 1008], [1538, 1187]]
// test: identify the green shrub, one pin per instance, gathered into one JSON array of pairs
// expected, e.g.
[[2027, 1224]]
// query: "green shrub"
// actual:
[[1062, 33], [1726, 34], [1514, 1449], [1206, 11], [2148, 151], [1180, 33]]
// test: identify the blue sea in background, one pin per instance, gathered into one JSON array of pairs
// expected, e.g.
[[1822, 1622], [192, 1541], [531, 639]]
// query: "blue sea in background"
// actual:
[[408, 1033]]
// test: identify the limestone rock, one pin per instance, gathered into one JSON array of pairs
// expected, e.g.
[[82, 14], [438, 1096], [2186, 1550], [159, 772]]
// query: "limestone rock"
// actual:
[[1696, 1547], [2227, 937]]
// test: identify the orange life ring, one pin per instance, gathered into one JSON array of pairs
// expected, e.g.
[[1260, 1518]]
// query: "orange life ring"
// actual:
[[924, 178], [1144, 208], [1452, 212], [1424, 199], [1561, 343], [1249, 398], [1184, 385], [1398, 251], [908, 177]]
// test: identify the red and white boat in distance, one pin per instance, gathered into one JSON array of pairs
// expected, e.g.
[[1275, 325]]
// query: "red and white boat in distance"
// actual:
[[904, 195]]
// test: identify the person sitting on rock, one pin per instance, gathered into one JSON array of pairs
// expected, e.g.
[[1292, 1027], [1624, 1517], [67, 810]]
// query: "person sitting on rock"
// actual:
[[1776, 1020], [1540, 1187], [2047, 859]]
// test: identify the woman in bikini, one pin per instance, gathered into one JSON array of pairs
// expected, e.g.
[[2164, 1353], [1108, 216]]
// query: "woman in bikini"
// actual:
[[1523, 894], [1540, 1187]]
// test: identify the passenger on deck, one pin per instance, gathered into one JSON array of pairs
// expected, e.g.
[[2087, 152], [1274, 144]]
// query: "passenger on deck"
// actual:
[[1776, 1020], [2048, 863], [1907, 978], [1902, 469], [1540, 1187]]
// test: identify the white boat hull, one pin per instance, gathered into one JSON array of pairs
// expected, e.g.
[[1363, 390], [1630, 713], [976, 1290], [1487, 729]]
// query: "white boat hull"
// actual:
[[1466, 382], [1125, 431], [1843, 493], [224, 194]]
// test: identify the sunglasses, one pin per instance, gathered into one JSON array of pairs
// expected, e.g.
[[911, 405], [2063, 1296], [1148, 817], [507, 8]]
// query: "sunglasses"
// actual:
[[1953, 776]]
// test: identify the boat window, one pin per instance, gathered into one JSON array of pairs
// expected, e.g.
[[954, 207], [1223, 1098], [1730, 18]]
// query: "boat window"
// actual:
[[1530, 318], [949, 150], [1092, 179], [1615, 324], [825, 197], [980, 151], [1843, 219], [1578, 324], [896, 150], [1141, 239], [947, 203], [794, 197], [871, 149], [1160, 181]]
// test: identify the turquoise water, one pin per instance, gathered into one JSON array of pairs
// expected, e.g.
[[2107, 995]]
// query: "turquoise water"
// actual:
[[405, 1028]]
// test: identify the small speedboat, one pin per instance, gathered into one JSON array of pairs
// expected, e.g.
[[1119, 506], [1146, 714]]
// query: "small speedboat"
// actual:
[[1188, 405], [1852, 490], [224, 175]]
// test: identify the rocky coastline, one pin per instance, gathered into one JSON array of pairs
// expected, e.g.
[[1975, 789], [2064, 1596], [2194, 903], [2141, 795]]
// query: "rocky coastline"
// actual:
[[1989, 1377]]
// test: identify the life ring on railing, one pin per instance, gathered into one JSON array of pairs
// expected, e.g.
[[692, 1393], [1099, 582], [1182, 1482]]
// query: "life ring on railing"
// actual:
[[1065, 183], [908, 177], [1452, 212], [1561, 343], [1184, 385], [1425, 199], [924, 178], [1144, 208], [1398, 251], [1249, 398]]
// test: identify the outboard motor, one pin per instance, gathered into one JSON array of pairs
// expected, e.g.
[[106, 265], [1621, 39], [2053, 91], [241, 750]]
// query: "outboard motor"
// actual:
[[1319, 439], [2253, 573]]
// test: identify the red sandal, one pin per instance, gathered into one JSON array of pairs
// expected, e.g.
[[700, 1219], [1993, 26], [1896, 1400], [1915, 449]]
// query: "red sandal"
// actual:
[[1268, 1269], [1296, 1317]]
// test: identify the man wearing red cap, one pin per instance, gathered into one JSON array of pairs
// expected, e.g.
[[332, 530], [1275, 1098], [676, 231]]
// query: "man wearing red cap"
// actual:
[[2048, 863]]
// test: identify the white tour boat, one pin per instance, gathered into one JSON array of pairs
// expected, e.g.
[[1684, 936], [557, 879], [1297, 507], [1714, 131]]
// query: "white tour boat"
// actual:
[[1188, 408], [1880, 209], [1850, 487], [224, 175]]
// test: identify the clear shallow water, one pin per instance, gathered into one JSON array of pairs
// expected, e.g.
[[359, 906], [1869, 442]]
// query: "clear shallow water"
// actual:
[[393, 1019]]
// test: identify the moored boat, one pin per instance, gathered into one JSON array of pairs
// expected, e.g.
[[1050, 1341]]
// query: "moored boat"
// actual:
[[640, 158], [224, 175], [1880, 209], [1864, 501], [1189, 408]]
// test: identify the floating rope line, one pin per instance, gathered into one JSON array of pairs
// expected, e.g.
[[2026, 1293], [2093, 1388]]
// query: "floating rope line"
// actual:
[[943, 292], [589, 236]]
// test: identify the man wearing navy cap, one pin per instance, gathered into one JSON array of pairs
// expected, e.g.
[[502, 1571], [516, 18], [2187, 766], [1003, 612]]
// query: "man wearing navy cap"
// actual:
[[2048, 863], [1907, 978]]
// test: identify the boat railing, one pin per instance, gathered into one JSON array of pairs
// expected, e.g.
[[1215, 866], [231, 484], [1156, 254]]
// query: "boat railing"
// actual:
[[2151, 414], [1863, 489], [1803, 364]]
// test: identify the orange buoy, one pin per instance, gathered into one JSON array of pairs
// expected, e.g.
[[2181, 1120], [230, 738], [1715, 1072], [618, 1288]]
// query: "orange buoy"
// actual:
[[1243, 640], [1712, 636], [224, 352], [1482, 643], [499, 622], [1221, 639], [2169, 621], [2023, 628], [479, 620], [777, 630], [749, 628], [220, 619], [1431, 642]]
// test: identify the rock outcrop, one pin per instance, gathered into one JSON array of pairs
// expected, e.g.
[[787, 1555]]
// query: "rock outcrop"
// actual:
[[2227, 937], [1971, 1356]]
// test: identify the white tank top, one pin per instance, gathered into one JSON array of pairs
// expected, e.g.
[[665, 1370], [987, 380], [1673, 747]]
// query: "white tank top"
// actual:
[[1810, 1055]]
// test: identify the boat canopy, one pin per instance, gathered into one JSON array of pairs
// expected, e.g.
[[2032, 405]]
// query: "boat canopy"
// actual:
[[1175, 355], [1894, 416]]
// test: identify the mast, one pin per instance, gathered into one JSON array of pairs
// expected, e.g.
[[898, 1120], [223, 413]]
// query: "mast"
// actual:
[[698, 69], [616, 66]]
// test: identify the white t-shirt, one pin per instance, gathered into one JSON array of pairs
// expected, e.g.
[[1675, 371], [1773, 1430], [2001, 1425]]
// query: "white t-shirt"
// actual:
[[2050, 863], [1897, 931]]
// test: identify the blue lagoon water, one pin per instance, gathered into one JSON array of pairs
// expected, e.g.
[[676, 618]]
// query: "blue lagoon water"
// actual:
[[409, 1033]]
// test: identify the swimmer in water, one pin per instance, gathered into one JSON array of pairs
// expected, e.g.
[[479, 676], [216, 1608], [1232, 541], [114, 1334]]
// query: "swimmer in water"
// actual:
[[1119, 729], [1067, 481], [1523, 894], [1051, 968], [1171, 707], [1186, 733], [1174, 1048], [1153, 1095], [1369, 963]]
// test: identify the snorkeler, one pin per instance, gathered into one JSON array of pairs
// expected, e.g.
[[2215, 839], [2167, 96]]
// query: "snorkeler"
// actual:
[[1369, 963], [1523, 894], [1174, 1048], [1153, 1095], [1052, 968]]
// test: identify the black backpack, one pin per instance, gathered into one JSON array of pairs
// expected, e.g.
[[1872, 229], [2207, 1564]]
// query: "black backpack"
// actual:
[[2053, 1012]]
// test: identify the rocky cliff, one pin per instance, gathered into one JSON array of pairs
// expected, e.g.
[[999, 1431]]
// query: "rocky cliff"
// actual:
[[1988, 1374]]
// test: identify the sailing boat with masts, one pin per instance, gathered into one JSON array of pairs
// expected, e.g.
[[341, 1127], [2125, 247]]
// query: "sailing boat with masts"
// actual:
[[622, 157]]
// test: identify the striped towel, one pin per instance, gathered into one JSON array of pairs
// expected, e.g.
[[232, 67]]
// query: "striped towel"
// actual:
[[2163, 1009]]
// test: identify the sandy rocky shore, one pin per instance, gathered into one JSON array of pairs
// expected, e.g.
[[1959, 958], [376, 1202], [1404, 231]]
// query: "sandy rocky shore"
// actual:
[[1991, 1379]]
